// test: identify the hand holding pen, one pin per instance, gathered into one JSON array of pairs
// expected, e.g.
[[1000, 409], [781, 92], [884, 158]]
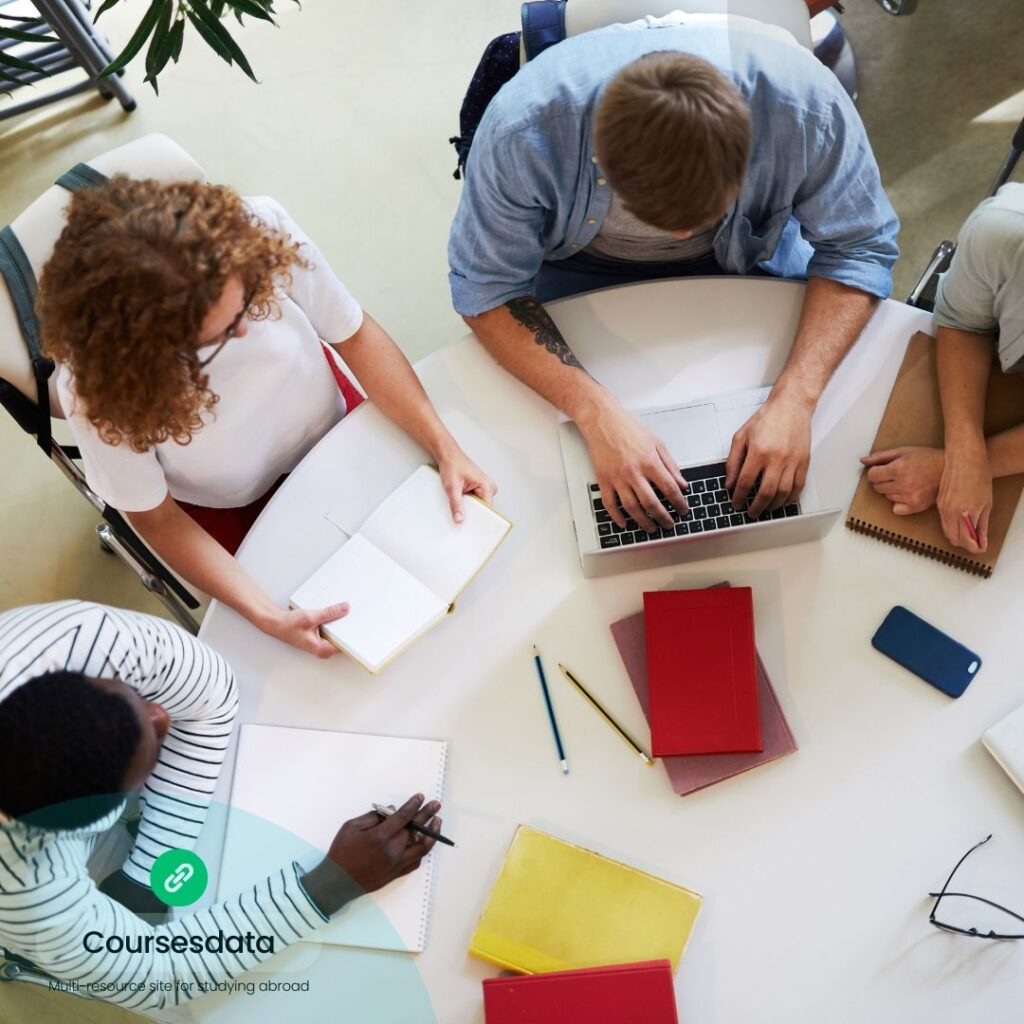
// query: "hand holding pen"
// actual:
[[370, 851]]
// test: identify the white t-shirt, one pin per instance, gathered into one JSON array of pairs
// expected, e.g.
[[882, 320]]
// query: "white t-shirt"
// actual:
[[277, 398]]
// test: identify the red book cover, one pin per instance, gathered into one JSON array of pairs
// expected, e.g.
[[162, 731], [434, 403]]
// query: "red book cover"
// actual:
[[702, 676], [640, 992]]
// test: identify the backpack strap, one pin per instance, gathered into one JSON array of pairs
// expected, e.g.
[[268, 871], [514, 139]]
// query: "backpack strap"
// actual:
[[20, 279], [81, 176], [21, 283], [543, 25], [500, 61]]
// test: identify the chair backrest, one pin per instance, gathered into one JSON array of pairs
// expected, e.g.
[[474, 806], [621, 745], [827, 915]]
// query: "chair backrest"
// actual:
[[37, 229], [791, 15]]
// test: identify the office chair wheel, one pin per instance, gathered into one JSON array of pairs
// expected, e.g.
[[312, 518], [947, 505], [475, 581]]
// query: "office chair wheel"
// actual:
[[833, 49], [898, 7]]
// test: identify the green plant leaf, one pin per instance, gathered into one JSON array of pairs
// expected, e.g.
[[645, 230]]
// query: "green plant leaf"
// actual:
[[177, 37], [250, 7], [105, 6], [17, 62], [142, 33], [25, 37], [211, 39], [217, 36], [4, 77], [159, 52]]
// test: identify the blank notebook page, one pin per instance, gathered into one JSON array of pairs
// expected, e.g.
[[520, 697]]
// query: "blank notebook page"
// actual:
[[415, 527], [387, 605], [308, 783]]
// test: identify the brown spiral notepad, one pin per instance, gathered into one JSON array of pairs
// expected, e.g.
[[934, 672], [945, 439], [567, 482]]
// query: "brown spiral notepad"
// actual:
[[913, 416]]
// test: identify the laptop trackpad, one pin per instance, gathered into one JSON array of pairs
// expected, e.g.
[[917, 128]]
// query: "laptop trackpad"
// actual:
[[690, 433]]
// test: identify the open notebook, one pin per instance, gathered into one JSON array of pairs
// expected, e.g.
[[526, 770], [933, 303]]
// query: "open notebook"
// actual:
[[294, 788], [913, 416], [403, 570]]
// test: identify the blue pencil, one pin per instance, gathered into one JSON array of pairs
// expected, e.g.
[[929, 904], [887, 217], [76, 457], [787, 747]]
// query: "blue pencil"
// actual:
[[551, 710]]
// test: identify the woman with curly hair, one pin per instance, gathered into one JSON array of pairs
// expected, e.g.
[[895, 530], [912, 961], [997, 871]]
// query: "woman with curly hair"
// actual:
[[187, 434]]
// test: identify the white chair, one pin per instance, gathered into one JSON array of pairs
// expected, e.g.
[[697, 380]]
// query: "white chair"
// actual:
[[809, 22], [792, 15], [37, 230]]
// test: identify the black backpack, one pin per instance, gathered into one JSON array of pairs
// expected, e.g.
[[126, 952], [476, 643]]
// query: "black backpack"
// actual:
[[543, 26]]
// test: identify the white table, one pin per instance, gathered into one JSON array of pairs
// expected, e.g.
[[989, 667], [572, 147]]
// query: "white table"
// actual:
[[814, 868]]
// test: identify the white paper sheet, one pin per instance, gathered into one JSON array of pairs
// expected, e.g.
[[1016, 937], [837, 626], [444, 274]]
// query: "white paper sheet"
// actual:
[[308, 782]]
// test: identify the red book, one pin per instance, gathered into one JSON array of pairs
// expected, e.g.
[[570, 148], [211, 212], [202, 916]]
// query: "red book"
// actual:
[[702, 676], [640, 993]]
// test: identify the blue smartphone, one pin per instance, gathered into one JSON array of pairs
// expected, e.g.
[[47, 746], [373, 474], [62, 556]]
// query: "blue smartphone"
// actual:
[[926, 651]]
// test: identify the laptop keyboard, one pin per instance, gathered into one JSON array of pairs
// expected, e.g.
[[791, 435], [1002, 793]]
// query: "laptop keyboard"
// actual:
[[710, 509]]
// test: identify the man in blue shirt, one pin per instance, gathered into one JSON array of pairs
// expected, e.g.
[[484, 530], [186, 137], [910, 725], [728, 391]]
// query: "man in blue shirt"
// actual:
[[631, 153]]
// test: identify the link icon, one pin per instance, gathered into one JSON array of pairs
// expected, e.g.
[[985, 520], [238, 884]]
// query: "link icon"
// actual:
[[178, 878]]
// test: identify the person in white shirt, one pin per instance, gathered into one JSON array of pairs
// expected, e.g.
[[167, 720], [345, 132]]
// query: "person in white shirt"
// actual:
[[979, 316], [97, 703], [196, 335]]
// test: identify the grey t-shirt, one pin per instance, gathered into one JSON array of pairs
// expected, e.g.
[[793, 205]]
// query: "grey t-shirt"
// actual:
[[983, 290], [623, 237]]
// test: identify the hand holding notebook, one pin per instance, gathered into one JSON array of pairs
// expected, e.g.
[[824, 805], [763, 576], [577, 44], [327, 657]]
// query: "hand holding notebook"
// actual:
[[913, 418], [403, 569]]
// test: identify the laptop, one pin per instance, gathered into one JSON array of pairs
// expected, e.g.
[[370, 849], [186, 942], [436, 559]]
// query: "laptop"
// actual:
[[698, 435]]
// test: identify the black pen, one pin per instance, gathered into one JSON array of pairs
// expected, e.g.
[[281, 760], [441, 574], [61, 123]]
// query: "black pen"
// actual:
[[385, 811]]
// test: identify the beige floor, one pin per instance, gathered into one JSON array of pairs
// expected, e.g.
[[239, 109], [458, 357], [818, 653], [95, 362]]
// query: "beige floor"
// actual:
[[348, 129]]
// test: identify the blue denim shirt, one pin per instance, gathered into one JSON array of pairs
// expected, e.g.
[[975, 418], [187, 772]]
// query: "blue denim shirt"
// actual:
[[812, 201]]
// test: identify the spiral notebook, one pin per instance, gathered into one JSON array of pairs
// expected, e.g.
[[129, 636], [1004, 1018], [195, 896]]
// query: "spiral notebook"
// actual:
[[294, 788], [913, 416]]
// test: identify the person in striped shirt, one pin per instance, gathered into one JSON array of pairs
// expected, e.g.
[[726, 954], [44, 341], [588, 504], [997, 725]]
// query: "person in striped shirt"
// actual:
[[96, 703]]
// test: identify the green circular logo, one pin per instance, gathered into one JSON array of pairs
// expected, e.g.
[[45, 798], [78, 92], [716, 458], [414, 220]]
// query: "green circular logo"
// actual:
[[178, 877]]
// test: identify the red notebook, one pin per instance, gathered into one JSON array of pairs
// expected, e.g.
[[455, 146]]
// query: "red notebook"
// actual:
[[640, 992], [695, 771], [702, 676]]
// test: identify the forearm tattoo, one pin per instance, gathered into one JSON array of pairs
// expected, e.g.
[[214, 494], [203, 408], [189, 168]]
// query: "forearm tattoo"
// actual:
[[534, 317]]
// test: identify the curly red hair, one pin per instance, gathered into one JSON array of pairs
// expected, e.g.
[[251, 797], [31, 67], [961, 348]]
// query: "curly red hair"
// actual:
[[133, 275]]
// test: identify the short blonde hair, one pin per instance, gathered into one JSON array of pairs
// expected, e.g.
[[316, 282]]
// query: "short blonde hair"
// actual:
[[673, 138]]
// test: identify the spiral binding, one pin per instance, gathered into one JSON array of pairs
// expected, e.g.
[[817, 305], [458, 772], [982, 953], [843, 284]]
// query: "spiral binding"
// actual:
[[918, 548], [428, 866]]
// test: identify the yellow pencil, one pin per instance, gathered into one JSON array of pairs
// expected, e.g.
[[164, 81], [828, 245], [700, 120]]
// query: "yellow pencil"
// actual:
[[645, 757]]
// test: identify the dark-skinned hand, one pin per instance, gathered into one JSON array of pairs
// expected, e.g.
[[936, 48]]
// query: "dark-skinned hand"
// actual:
[[368, 852], [374, 851]]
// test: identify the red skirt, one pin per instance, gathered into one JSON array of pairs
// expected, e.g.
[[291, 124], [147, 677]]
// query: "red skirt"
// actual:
[[228, 526]]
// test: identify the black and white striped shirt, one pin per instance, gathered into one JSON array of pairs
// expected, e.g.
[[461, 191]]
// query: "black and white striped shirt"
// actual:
[[48, 902]]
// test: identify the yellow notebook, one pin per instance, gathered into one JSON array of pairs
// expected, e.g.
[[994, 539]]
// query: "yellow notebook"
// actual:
[[557, 906]]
